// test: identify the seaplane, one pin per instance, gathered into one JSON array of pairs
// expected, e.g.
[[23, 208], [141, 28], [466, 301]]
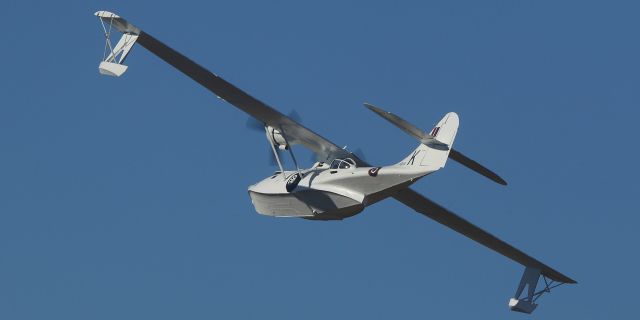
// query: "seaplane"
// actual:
[[340, 184]]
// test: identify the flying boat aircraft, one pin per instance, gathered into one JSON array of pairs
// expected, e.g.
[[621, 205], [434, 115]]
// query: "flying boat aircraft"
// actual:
[[339, 184]]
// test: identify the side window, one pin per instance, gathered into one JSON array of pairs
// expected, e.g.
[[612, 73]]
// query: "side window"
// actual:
[[343, 163]]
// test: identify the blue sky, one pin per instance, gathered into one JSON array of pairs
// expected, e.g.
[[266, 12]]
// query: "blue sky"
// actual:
[[126, 198]]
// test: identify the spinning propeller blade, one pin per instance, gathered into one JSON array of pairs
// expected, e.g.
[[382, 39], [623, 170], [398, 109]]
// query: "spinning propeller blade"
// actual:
[[293, 115], [254, 124]]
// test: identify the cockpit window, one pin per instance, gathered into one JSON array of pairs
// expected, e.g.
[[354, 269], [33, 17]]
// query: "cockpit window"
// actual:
[[343, 163]]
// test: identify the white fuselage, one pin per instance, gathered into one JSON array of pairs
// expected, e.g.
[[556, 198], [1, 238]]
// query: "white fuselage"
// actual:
[[324, 193]]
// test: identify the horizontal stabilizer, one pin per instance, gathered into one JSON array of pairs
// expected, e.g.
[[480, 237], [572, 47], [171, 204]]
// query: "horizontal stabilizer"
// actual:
[[475, 166], [430, 139], [407, 127]]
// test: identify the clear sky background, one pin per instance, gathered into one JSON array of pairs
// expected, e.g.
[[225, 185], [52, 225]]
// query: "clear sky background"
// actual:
[[127, 198]]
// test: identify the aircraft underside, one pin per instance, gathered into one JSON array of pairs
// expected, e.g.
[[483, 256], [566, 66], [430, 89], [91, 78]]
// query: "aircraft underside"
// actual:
[[308, 204], [322, 193]]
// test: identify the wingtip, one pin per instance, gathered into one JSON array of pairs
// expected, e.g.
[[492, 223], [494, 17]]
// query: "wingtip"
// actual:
[[106, 14], [496, 178], [563, 279], [375, 109]]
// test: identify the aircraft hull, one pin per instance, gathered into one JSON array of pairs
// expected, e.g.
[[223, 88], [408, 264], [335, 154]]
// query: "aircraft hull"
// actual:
[[328, 194], [310, 204]]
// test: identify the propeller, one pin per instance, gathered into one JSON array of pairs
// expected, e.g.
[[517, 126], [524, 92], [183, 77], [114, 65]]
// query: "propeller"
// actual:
[[293, 115], [254, 124], [257, 125]]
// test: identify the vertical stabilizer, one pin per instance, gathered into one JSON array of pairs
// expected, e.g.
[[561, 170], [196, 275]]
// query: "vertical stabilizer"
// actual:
[[434, 151]]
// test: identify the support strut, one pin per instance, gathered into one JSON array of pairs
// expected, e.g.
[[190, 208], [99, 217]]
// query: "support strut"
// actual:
[[290, 147], [530, 279], [112, 63], [275, 152]]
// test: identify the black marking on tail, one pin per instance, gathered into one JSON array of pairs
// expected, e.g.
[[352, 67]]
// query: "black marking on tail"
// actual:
[[413, 157]]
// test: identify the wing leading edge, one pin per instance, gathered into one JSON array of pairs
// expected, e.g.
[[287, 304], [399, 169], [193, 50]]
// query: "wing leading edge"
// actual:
[[445, 217], [295, 132]]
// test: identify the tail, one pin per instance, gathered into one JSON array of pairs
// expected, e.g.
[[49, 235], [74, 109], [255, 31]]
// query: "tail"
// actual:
[[436, 146], [433, 150]]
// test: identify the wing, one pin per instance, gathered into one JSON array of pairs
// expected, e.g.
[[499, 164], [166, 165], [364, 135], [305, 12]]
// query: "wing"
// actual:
[[298, 134], [295, 132], [438, 213]]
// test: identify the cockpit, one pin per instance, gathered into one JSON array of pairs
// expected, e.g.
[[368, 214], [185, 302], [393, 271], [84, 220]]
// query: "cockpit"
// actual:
[[343, 163]]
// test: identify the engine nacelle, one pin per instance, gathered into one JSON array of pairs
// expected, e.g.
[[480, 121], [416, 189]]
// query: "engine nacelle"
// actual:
[[277, 138]]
